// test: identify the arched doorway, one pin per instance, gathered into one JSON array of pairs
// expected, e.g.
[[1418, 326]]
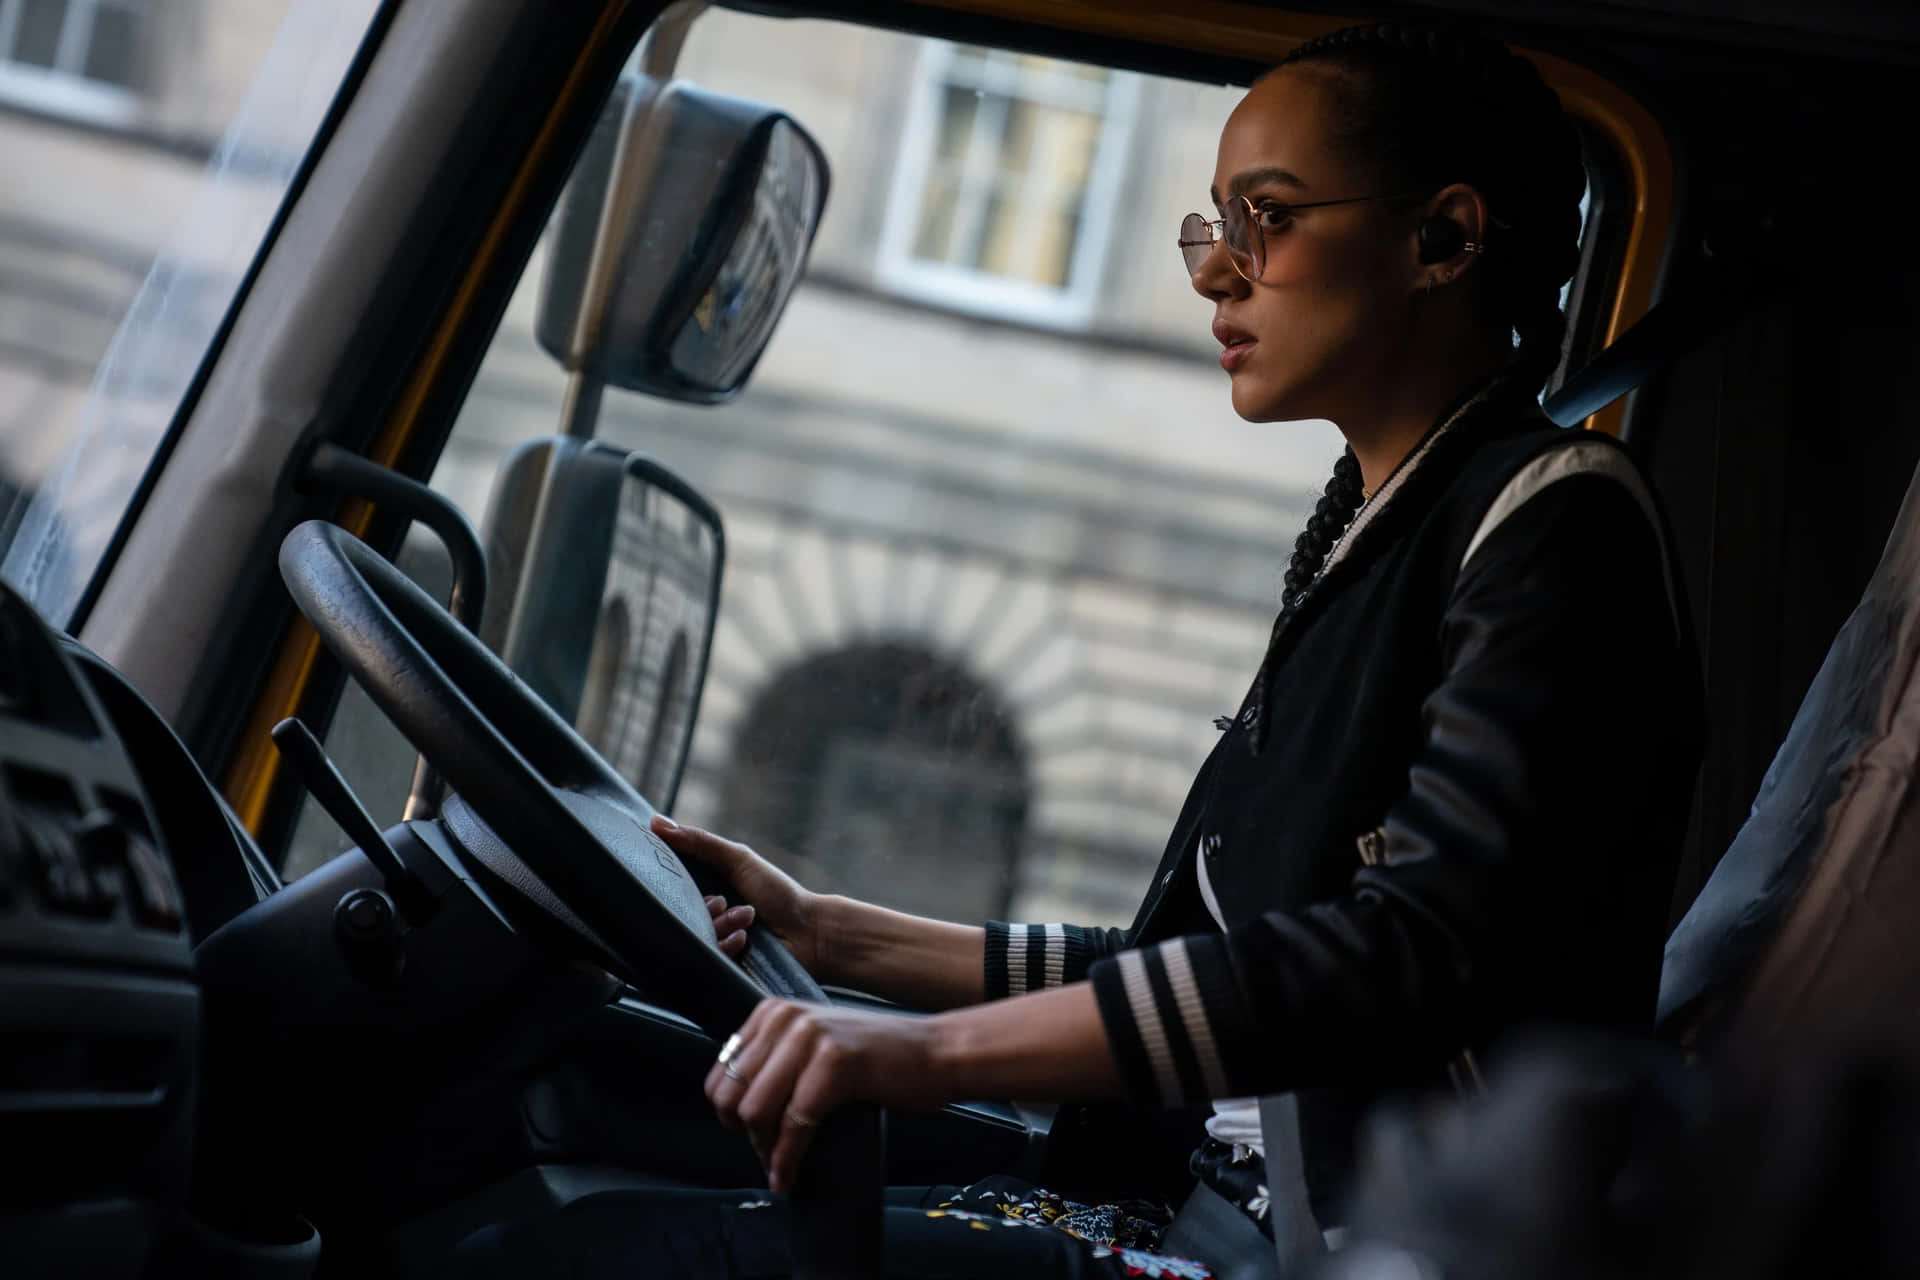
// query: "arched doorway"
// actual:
[[883, 771]]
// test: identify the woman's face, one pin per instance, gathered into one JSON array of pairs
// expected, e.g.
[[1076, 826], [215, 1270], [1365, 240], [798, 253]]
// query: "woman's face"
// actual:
[[1322, 323]]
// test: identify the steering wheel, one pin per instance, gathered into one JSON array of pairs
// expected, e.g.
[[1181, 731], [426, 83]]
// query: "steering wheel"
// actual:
[[539, 809]]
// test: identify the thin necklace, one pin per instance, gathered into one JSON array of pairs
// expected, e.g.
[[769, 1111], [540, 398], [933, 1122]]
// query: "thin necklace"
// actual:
[[1406, 466]]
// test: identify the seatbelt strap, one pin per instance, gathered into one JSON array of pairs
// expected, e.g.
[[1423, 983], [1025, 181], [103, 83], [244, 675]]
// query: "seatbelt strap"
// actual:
[[1673, 327], [1296, 1235]]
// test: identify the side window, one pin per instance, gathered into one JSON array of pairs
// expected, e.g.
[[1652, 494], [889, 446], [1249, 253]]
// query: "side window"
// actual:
[[998, 550], [149, 147]]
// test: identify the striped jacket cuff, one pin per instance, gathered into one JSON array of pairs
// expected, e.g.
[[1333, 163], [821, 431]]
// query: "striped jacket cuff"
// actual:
[[1177, 1020], [1033, 957]]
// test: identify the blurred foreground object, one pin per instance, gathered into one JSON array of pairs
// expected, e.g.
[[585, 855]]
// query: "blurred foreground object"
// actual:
[[1587, 1160]]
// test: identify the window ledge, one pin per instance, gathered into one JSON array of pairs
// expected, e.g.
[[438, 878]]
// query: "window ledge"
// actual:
[[881, 289], [989, 297], [57, 93]]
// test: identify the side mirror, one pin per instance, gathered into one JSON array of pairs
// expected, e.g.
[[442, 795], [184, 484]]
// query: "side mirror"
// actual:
[[682, 235], [606, 581]]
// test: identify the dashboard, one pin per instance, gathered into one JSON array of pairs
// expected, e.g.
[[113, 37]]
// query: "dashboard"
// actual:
[[100, 1011]]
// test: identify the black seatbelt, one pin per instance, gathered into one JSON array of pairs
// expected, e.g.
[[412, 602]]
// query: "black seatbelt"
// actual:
[[1674, 326]]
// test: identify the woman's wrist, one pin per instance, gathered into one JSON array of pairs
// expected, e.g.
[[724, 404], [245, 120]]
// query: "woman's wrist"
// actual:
[[825, 916], [1048, 1045], [858, 944], [921, 963]]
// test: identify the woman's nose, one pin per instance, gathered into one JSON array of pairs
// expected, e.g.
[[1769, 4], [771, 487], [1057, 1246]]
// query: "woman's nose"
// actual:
[[1216, 277]]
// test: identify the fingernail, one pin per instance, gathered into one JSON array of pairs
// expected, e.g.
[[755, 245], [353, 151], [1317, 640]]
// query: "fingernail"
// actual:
[[661, 822], [748, 913]]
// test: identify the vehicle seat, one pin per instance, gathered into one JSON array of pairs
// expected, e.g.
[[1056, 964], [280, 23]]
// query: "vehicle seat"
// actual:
[[1793, 975], [1811, 914]]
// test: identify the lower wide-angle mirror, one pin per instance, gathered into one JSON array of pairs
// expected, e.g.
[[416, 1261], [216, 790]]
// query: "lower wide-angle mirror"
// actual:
[[606, 569]]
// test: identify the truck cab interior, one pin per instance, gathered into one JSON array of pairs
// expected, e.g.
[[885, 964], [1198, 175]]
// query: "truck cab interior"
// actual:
[[759, 412]]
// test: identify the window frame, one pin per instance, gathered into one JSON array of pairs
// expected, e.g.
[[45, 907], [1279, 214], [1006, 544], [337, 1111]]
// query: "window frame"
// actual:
[[968, 289]]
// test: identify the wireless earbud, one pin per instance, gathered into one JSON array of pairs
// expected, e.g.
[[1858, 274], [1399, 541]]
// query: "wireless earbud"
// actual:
[[1440, 239]]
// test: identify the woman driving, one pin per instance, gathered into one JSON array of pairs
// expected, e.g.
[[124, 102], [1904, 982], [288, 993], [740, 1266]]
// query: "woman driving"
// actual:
[[1451, 802]]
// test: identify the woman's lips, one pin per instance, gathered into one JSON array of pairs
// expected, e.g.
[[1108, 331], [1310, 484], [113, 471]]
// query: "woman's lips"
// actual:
[[1238, 342]]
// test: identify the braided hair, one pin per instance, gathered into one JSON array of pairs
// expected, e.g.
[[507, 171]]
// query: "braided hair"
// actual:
[[1331, 515], [1418, 108]]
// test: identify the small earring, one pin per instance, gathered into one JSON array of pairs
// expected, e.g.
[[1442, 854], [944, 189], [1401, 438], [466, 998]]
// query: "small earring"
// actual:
[[1473, 247]]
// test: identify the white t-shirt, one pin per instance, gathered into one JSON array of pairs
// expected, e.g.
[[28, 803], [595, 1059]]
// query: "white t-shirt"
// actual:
[[1234, 1120]]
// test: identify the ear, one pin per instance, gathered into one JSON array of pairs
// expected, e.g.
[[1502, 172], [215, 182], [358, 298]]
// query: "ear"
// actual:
[[1449, 235]]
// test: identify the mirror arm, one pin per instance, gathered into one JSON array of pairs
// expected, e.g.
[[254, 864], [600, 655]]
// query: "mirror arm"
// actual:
[[333, 468], [581, 409], [660, 48]]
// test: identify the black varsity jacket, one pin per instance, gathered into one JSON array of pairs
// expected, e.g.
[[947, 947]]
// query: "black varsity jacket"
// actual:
[[1465, 815]]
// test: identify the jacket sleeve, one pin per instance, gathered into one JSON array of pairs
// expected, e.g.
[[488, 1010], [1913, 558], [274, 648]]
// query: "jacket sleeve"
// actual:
[[1032, 957], [1524, 868]]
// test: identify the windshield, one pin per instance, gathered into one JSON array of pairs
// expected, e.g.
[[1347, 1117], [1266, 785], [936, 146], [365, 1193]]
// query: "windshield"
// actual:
[[998, 551], [160, 141]]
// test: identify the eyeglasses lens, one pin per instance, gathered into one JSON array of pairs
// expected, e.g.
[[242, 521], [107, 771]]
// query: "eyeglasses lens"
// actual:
[[1196, 241], [1244, 245]]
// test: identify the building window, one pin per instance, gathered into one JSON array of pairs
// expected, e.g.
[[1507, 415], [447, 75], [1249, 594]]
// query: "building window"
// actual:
[[1003, 197], [75, 57]]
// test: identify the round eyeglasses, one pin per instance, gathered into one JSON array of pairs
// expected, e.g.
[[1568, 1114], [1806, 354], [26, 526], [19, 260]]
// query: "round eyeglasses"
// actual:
[[1239, 226]]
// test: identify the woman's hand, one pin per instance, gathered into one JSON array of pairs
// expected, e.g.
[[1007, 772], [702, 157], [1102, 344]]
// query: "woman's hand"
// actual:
[[766, 893], [730, 924], [791, 1064]]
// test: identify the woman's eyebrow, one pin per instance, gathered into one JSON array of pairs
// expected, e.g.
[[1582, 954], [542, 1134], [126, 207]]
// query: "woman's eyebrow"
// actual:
[[1247, 179]]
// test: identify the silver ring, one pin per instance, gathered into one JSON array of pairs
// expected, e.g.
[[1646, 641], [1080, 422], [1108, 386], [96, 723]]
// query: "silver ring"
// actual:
[[733, 1045], [727, 1067]]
